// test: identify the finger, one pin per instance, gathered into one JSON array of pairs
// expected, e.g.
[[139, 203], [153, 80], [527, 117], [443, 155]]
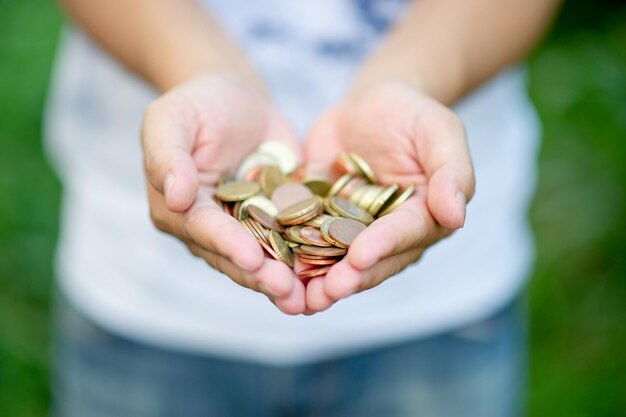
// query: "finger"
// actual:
[[443, 152], [169, 166], [294, 302], [206, 225], [274, 279], [322, 146], [408, 226], [316, 298], [344, 280]]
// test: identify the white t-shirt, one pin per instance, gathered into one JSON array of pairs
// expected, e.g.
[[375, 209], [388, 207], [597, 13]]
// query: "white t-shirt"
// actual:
[[133, 280]]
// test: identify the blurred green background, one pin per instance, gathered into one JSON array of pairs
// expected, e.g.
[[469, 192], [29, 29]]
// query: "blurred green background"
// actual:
[[578, 292]]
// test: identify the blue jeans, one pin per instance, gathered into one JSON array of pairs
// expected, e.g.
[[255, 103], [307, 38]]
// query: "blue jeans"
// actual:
[[475, 371]]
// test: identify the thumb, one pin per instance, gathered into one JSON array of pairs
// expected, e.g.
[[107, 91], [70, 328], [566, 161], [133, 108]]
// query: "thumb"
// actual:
[[322, 145], [170, 169], [444, 154]]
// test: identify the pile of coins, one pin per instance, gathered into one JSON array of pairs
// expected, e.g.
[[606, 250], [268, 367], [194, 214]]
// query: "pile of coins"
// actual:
[[295, 215]]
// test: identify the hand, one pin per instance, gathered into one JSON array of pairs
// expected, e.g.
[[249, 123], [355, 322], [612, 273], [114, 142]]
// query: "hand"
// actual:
[[190, 136], [407, 138]]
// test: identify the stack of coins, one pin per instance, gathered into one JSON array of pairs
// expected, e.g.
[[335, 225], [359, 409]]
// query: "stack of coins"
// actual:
[[310, 219]]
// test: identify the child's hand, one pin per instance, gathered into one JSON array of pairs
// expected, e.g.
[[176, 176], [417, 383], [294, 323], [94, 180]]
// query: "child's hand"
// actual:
[[191, 135], [407, 138]]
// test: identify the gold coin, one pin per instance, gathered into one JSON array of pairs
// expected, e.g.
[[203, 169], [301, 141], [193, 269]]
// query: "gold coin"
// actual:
[[363, 167], [339, 184], [299, 210], [395, 203], [293, 234], [281, 248], [237, 190], [355, 197], [382, 199], [318, 185], [270, 179], [317, 221], [349, 210]]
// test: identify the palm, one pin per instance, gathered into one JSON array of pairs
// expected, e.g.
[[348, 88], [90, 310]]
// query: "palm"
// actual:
[[407, 138]]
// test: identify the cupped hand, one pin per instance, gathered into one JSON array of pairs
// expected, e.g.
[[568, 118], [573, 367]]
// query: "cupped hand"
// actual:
[[407, 138], [190, 136]]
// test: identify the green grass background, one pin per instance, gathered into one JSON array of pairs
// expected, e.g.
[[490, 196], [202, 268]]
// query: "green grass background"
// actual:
[[578, 292]]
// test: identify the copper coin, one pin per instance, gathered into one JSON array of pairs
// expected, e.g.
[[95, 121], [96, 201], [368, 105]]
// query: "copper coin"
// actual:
[[268, 249], [314, 272], [315, 250], [345, 231], [261, 232], [313, 236], [266, 220], [327, 261], [289, 194], [307, 256]]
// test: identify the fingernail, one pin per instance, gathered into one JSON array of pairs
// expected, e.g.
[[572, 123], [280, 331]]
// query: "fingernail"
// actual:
[[462, 202], [168, 183]]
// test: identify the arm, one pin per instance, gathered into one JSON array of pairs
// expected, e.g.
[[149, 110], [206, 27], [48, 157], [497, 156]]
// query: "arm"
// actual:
[[396, 118], [214, 112], [445, 48], [166, 42]]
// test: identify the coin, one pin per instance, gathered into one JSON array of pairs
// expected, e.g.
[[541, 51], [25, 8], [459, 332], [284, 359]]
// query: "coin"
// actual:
[[326, 234], [281, 248], [363, 167], [304, 210], [349, 210], [259, 201], [318, 185], [252, 161], [289, 194], [345, 165], [397, 201], [270, 179], [327, 261], [266, 220], [314, 272], [282, 153], [257, 229], [339, 184], [344, 231], [313, 236], [382, 199], [237, 190], [315, 250], [317, 221], [293, 234]]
